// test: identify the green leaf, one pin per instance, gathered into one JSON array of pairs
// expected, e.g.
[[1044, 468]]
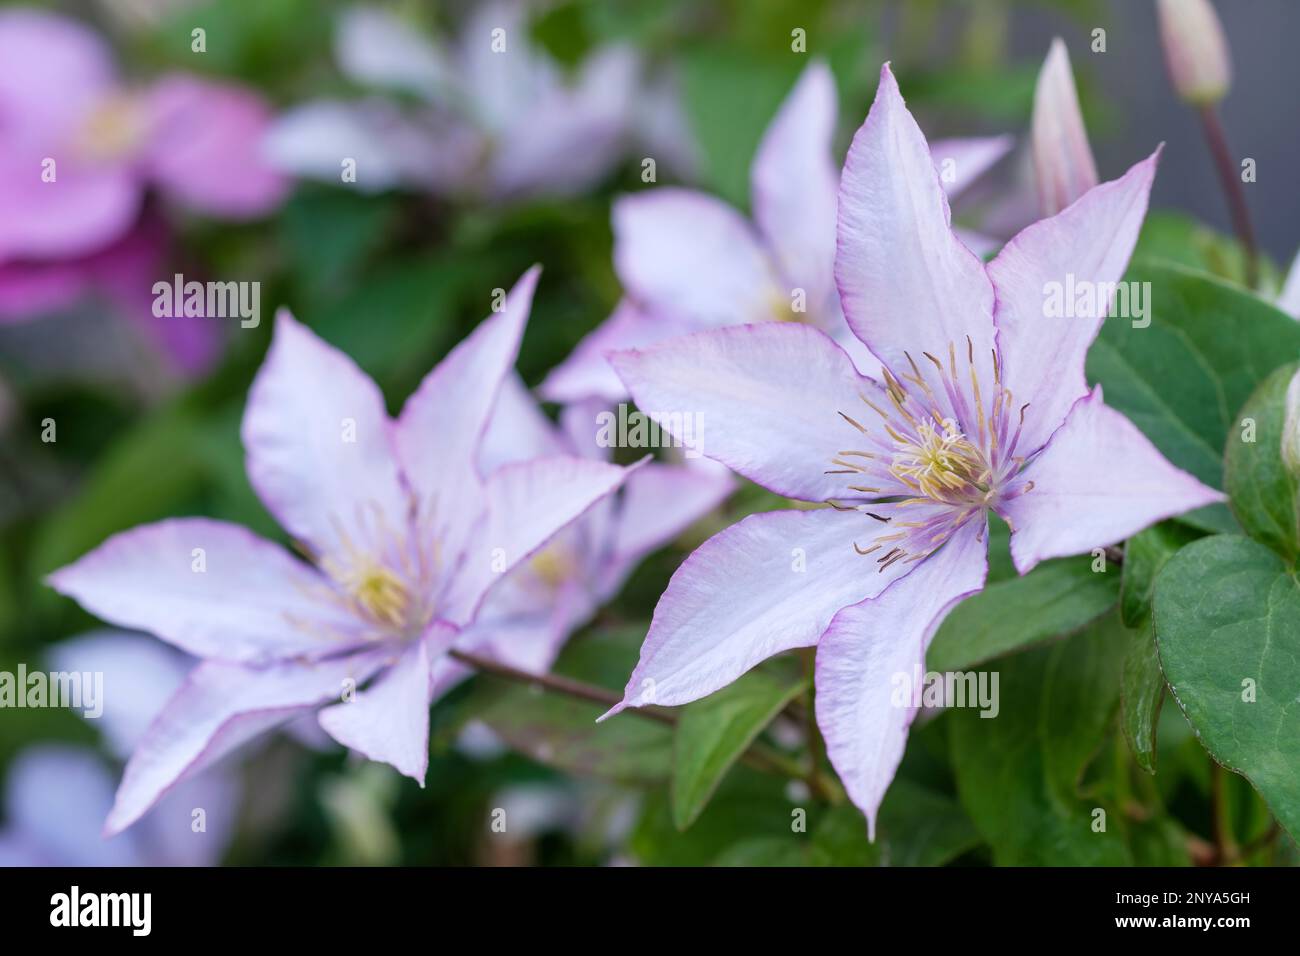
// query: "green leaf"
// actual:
[[1144, 555], [562, 732], [748, 806], [917, 827], [1227, 619], [1019, 774], [712, 734], [1141, 692], [1055, 598], [1183, 378], [764, 851], [146, 476], [1261, 489]]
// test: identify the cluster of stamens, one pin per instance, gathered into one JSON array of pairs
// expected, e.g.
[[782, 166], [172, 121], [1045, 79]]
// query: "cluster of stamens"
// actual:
[[944, 463], [385, 577]]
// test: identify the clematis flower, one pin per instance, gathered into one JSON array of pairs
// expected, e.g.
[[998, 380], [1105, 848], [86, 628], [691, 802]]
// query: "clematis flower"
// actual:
[[1063, 165], [982, 407], [404, 539], [79, 151], [56, 796], [526, 619], [689, 261], [496, 118]]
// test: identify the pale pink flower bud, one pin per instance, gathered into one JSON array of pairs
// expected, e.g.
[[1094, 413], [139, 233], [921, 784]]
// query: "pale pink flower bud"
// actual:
[[1195, 50]]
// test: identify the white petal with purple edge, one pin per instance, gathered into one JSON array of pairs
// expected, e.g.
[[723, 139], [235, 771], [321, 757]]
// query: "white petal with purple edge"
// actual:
[[213, 589], [961, 161], [765, 400], [866, 649], [794, 184], [319, 445], [1063, 165], [441, 426], [906, 282], [688, 254], [219, 708], [389, 720], [1098, 481], [1043, 337], [767, 584]]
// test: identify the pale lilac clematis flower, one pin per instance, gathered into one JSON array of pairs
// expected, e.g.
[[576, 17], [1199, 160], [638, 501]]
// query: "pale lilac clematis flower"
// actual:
[[983, 408], [690, 262], [405, 539], [526, 619], [57, 796], [497, 119], [79, 151]]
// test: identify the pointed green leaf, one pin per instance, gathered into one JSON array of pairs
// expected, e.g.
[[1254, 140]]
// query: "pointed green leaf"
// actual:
[[1262, 490]]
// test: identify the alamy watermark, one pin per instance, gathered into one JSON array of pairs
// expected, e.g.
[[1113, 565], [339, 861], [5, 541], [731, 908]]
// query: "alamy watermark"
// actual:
[[624, 429], [78, 690], [211, 300], [1084, 299], [948, 689]]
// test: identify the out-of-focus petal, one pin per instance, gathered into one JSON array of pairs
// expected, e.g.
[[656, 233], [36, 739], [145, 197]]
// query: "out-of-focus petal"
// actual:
[[389, 720], [213, 589], [319, 444], [765, 400], [526, 504], [688, 254], [219, 708], [874, 647], [1063, 165], [441, 427], [794, 184], [1098, 481], [374, 47], [767, 584], [1289, 298], [205, 148], [586, 373], [1043, 338], [518, 430], [967, 158]]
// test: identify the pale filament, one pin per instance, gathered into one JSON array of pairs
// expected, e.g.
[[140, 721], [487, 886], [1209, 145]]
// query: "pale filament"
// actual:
[[937, 468]]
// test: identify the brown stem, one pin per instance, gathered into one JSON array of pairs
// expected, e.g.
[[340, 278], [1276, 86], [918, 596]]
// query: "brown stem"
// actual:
[[758, 756], [1230, 179]]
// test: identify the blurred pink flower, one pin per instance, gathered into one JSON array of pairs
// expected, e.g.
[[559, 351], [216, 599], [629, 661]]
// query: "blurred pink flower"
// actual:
[[79, 151]]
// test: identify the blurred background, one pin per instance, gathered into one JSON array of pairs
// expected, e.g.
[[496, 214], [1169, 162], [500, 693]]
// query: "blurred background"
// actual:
[[109, 418]]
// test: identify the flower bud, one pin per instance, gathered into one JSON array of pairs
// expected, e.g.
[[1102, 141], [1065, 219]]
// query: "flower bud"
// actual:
[[1195, 50], [1291, 427], [1063, 163]]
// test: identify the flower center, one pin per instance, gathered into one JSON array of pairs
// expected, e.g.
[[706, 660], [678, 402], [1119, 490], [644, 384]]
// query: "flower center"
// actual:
[[112, 130], [944, 452], [381, 594], [553, 566]]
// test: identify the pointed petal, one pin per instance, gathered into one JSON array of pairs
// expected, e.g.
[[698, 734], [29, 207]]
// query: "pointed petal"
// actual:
[[690, 255], [765, 400], [767, 584], [868, 647], [527, 503], [794, 183], [388, 721], [319, 444], [441, 426], [1098, 481], [218, 708], [586, 373], [518, 430], [968, 158], [1085, 247], [252, 602], [906, 282], [660, 502], [1063, 165]]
